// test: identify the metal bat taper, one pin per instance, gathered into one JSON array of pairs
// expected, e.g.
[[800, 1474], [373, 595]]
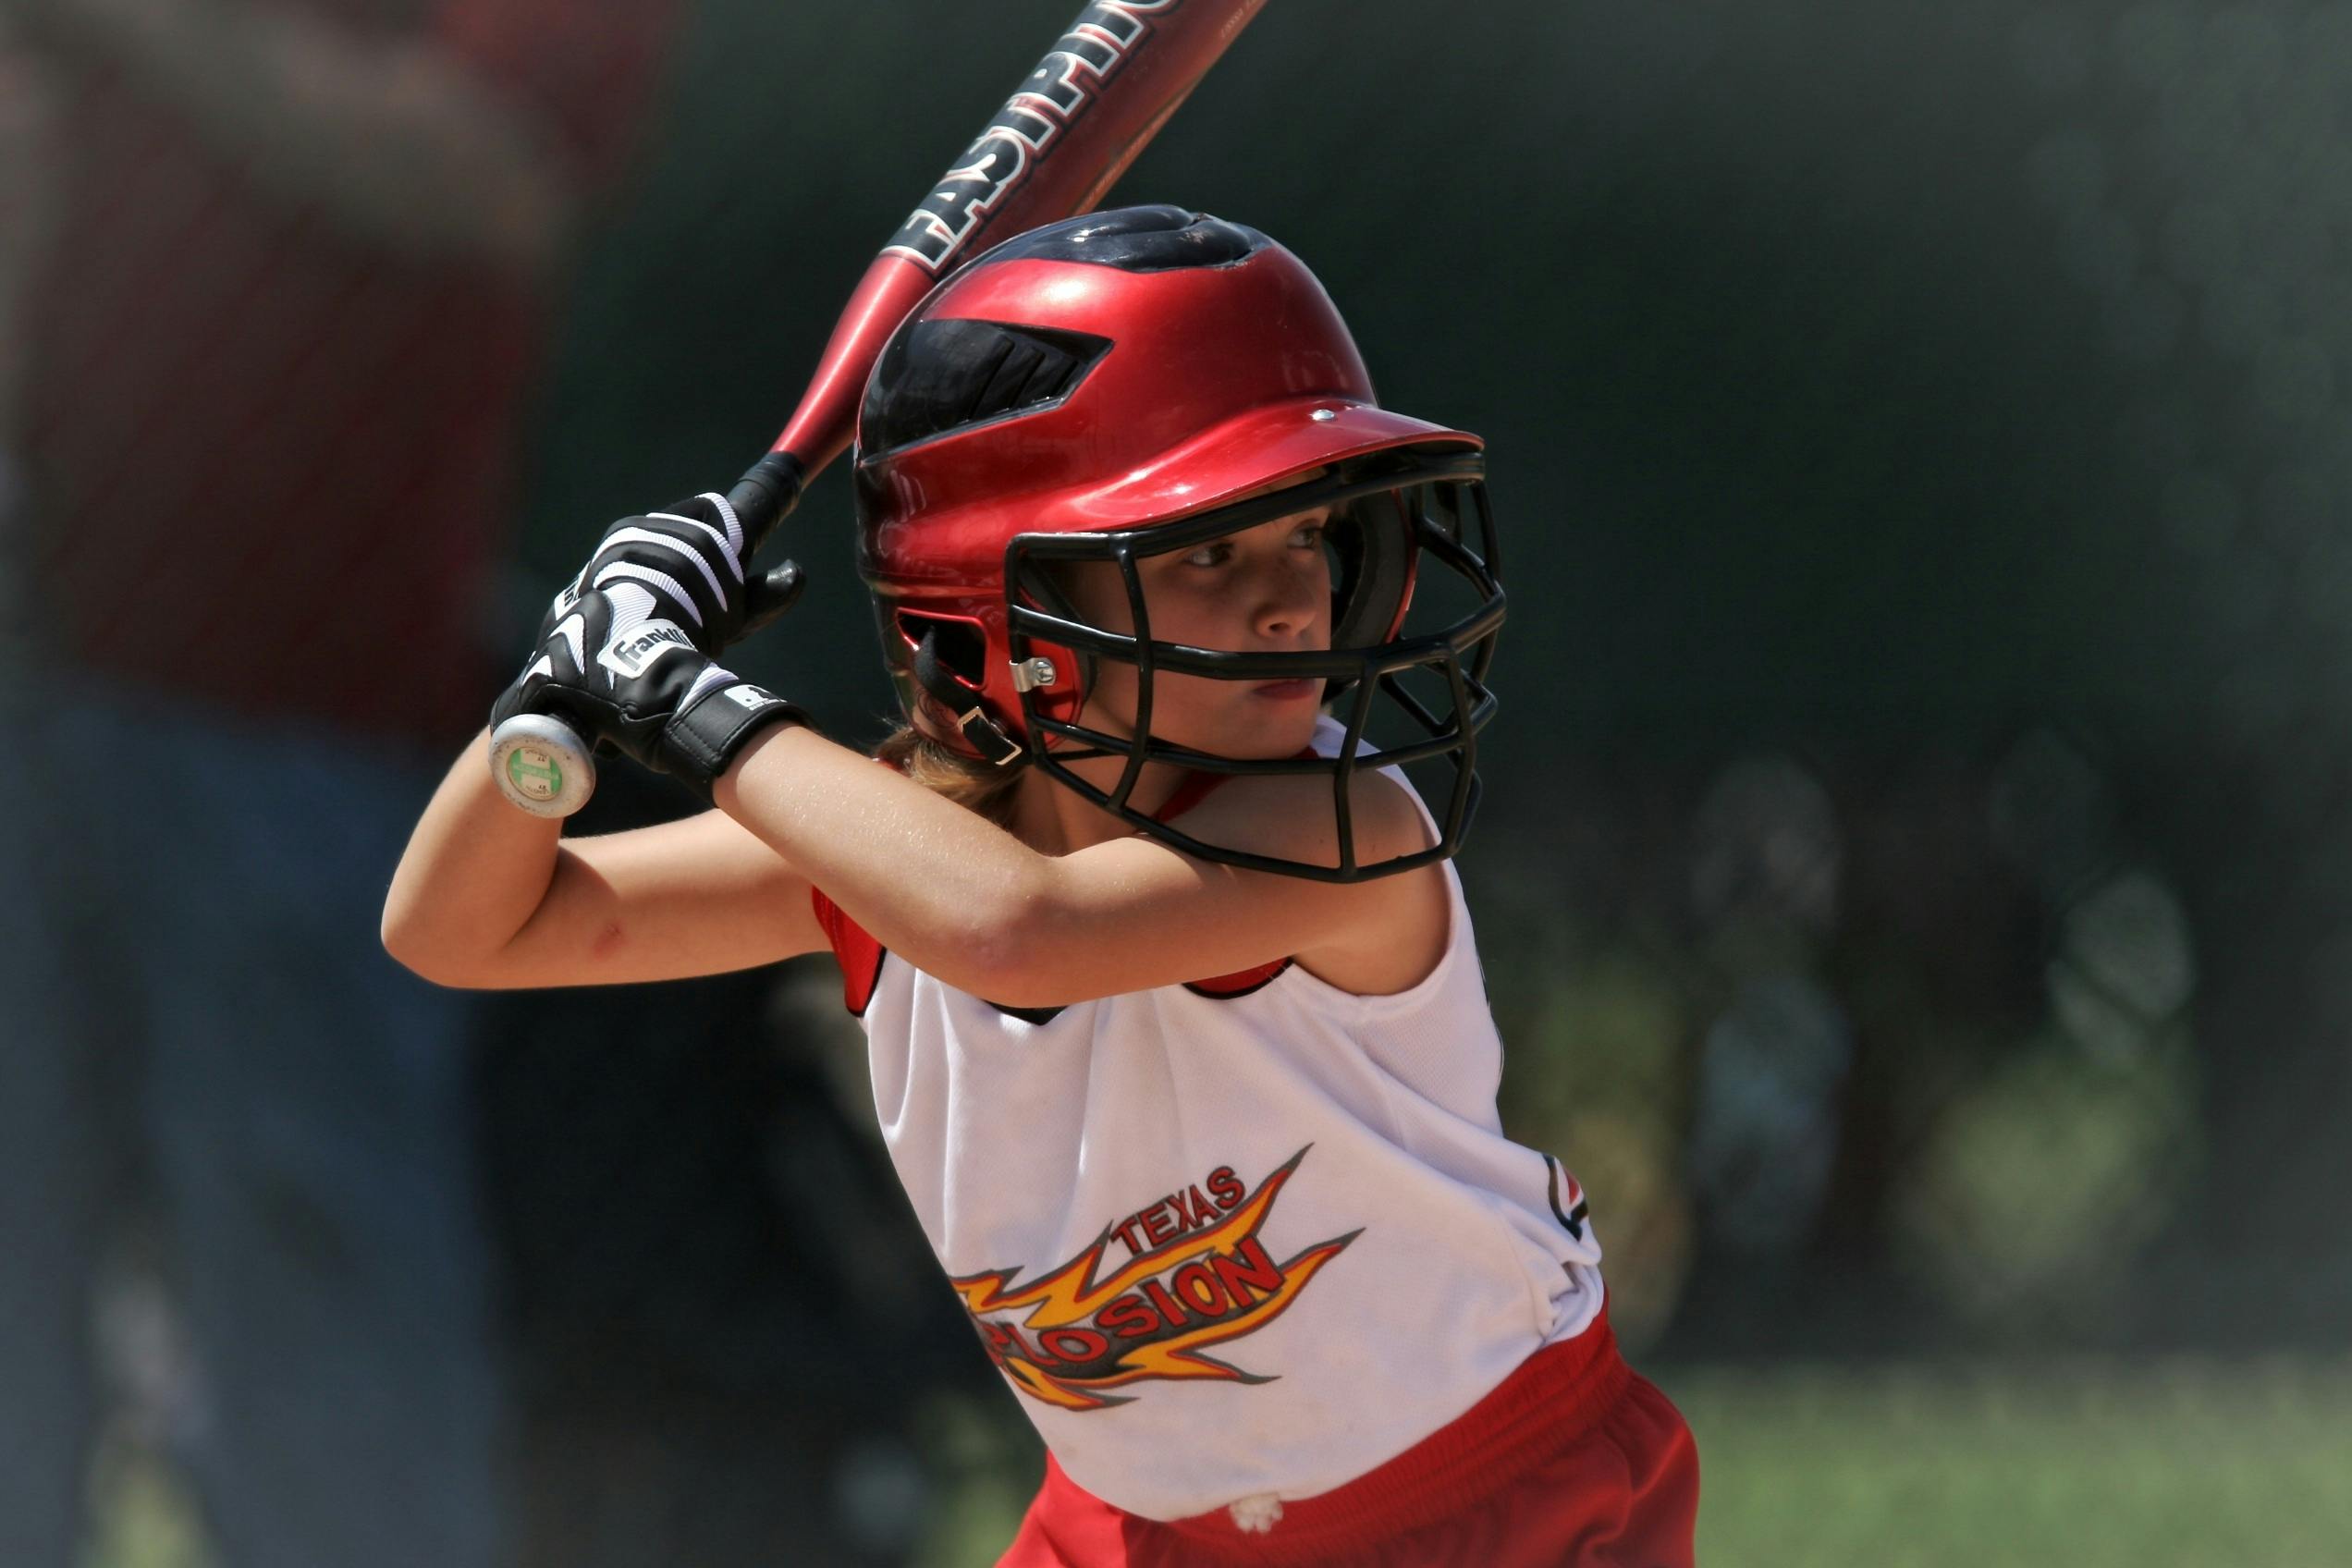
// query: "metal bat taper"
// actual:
[[1057, 146]]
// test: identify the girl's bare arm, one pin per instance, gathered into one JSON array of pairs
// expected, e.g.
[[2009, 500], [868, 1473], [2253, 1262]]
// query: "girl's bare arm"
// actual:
[[487, 897], [964, 900]]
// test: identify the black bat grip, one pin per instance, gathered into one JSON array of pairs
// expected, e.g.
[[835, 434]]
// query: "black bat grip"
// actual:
[[540, 763], [769, 489]]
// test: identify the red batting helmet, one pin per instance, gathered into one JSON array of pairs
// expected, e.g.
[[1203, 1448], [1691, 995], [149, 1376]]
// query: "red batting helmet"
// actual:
[[1133, 382]]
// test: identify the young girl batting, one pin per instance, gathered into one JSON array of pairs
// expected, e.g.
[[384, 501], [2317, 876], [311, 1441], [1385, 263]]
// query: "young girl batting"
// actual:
[[1179, 1039]]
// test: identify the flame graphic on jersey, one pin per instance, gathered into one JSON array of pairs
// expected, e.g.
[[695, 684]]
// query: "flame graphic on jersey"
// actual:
[[1153, 1317]]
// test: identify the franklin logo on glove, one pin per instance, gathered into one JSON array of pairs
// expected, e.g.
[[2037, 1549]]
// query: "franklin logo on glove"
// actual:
[[631, 654]]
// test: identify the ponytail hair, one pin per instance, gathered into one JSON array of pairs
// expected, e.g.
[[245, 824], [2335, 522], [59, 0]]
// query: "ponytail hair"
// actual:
[[971, 783]]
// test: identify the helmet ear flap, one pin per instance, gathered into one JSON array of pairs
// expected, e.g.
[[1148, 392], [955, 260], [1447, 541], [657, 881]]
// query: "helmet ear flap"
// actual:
[[941, 665]]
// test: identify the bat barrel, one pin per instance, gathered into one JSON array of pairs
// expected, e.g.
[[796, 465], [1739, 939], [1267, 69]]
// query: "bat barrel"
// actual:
[[1054, 149]]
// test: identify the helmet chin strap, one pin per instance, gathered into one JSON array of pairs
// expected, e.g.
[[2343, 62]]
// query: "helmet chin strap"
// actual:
[[963, 703]]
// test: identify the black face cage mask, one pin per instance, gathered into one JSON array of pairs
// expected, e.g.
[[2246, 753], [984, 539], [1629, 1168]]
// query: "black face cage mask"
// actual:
[[1386, 511]]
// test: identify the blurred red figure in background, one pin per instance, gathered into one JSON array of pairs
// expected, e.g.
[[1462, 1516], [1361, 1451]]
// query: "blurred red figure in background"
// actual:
[[274, 283]]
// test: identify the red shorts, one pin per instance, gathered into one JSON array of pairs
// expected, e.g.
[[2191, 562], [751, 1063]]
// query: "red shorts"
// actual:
[[1571, 1460]]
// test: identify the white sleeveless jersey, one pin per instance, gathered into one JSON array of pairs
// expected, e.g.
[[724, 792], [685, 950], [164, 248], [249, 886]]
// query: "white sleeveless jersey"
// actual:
[[1245, 1238]]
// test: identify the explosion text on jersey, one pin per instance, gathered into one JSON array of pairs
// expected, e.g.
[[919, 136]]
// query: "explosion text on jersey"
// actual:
[[1103, 38], [1196, 1275]]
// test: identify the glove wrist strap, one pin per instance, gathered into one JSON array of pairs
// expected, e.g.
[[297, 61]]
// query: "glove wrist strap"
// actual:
[[713, 726]]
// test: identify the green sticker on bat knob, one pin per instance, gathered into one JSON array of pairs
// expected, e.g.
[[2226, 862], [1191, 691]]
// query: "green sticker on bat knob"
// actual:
[[541, 765], [534, 773]]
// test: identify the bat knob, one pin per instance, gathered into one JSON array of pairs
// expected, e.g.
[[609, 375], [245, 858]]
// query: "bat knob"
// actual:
[[541, 765]]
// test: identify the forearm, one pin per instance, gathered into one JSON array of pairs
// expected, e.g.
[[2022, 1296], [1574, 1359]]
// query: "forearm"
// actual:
[[393, 140], [475, 872], [944, 888]]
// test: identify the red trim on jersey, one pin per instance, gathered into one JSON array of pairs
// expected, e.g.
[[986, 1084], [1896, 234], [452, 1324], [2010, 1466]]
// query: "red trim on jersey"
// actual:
[[860, 954], [1571, 1458], [1241, 983], [1193, 789]]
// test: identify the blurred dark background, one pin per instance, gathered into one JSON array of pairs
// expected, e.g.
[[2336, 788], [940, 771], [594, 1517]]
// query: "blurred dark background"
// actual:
[[1913, 872]]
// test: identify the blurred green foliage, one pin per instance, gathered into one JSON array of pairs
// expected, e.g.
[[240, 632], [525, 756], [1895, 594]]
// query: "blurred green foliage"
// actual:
[[2175, 1465], [142, 1514]]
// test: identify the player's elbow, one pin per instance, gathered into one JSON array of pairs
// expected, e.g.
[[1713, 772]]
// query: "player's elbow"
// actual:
[[1003, 946], [415, 946], [1015, 983], [411, 950], [397, 929]]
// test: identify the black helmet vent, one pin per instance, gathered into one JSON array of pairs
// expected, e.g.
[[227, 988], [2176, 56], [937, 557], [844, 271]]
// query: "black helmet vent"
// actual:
[[1152, 239], [942, 375]]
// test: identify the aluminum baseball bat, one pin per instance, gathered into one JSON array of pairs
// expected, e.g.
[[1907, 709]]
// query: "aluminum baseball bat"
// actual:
[[1053, 151]]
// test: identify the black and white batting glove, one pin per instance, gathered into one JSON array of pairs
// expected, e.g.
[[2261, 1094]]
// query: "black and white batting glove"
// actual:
[[633, 679], [691, 558]]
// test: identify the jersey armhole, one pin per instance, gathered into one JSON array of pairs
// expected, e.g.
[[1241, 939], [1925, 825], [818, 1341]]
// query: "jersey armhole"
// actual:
[[860, 954]]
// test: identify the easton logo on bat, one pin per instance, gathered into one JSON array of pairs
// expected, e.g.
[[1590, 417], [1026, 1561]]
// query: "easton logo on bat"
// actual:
[[1072, 1335], [1055, 95]]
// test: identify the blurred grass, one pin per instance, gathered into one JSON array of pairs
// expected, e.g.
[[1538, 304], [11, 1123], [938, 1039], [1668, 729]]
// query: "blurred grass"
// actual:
[[2047, 1465], [142, 1512], [2072, 1466], [2180, 1464]]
